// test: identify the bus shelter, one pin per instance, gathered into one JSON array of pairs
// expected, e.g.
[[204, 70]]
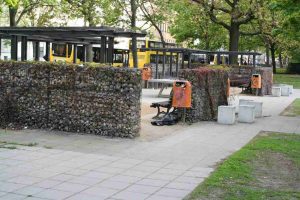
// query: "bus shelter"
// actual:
[[186, 57], [65, 35]]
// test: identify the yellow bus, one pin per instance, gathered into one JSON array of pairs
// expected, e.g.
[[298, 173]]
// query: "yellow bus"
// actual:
[[147, 57], [65, 53]]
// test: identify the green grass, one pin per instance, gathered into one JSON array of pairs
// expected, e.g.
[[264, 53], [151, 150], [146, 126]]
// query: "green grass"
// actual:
[[281, 70], [291, 79], [13, 145], [293, 109], [266, 168]]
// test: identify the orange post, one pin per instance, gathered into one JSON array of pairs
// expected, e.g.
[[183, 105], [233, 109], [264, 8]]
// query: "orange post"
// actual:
[[182, 94], [256, 81], [146, 73], [228, 88]]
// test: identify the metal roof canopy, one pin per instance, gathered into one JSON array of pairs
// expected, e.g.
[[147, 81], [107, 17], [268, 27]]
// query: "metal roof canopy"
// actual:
[[189, 52], [80, 35], [198, 51], [65, 35]]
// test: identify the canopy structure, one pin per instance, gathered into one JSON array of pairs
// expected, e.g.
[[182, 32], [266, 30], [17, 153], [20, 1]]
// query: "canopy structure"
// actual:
[[67, 35], [186, 56]]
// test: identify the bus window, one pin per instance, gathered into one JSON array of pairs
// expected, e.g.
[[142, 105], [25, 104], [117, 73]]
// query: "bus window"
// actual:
[[139, 44], [118, 57], [59, 50], [69, 49], [153, 58]]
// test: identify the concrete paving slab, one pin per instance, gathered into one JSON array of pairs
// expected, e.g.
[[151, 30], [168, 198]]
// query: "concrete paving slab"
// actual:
[[173, 160]]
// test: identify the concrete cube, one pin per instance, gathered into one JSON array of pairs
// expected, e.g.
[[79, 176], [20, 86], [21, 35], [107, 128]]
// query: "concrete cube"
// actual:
[[291, 88], [285, 90], [234, 101], [258, 108], [226, 114], [276, 91], [246, 113], [244, 101]]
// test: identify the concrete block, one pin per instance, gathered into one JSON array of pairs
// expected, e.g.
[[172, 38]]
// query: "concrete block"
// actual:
[[285, 91], [246, 113], [234, 101], [276, 91], [244, 101], [258, 106], [291, 88], [226, 114]]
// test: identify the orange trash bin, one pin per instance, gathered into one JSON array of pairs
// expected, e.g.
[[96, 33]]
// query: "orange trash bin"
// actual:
[[256, 81], [146, 73], [182, 94]]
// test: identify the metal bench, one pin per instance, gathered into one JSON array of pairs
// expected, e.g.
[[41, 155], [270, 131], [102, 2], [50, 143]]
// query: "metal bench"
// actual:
[[159, 105]]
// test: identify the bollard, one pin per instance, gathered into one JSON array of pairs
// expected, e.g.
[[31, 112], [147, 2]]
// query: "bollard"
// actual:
[[246, 114], [226, 114]]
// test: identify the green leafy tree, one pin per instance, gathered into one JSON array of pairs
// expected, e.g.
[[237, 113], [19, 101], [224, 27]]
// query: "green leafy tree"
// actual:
[[18, 9], [231, 15], [191, 25], [93, 12]]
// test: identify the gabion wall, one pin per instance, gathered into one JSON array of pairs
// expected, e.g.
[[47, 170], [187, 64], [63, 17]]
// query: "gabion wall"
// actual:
[[209, 87], [87, 99], [247, 71]]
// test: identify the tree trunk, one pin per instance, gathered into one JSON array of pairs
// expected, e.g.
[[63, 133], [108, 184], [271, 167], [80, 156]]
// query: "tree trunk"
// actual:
[[89, 47], [89, 53], [272, 49], [134, 39], [12, 16], [280, 60], [267, 56], [234, 36]]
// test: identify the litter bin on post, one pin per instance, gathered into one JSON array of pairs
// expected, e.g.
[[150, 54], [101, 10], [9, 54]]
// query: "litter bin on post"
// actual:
[[256, 82], [146, 75], [182, 96]]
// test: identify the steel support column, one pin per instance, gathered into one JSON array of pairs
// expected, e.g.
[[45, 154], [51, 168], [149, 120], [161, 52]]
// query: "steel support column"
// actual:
[[218, 59], [24, 48], [37, 51], [103, 50], [254, 60], [75, 53], [84, 53], [156, 65], [177, 64], [110, 50], [182, 61], [47, 55], [171, 63], [164, 65], [14, 47]]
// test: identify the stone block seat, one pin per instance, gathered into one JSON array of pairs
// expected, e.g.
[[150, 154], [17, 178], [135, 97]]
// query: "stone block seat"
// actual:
[[276, 91], [226, 114], [246, 113]]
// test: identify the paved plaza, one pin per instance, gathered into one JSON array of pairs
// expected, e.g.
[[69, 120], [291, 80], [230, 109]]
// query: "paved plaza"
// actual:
[[165, 163]]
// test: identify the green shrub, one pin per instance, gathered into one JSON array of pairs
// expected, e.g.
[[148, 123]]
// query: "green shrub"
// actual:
[[293, 68]]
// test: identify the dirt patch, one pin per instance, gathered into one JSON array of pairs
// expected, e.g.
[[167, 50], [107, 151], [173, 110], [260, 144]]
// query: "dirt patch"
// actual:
[[146, 109], [276, 172]]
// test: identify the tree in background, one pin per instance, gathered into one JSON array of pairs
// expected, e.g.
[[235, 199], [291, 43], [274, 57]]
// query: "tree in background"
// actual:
[[18, 9], [192, 25], [156, 12], [231, 15], [93, 13]]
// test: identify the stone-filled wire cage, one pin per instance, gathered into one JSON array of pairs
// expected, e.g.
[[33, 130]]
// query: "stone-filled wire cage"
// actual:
[[209, 86], [87, 99]]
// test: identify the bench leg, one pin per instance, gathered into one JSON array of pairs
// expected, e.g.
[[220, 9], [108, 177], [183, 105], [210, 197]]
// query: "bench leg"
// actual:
[[158, 113]]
